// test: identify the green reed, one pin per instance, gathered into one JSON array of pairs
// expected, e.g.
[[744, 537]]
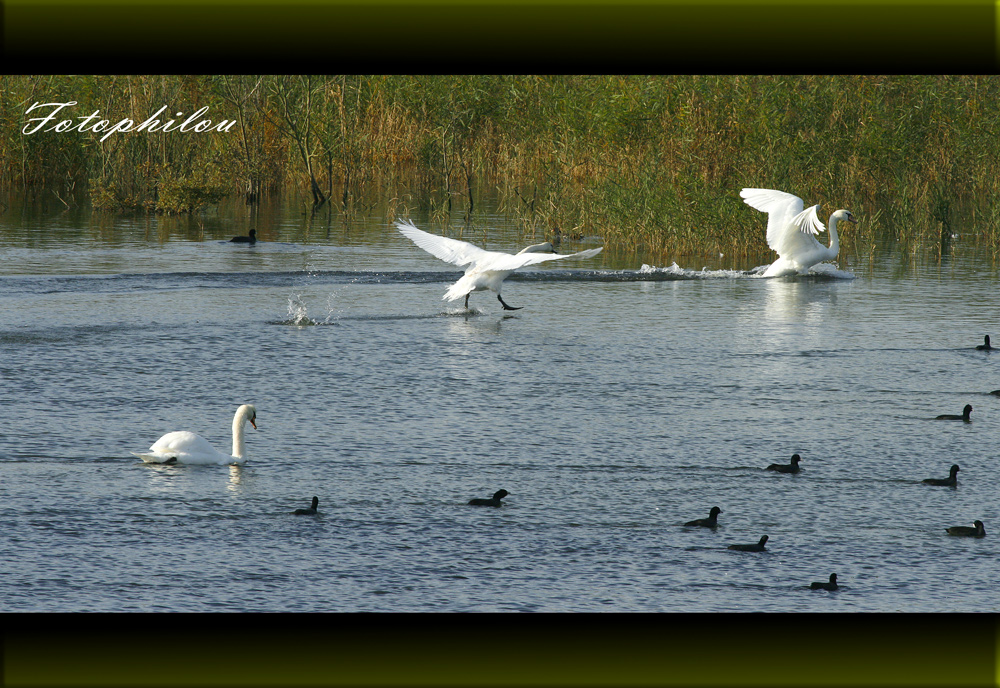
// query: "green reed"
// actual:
[[653, 164]]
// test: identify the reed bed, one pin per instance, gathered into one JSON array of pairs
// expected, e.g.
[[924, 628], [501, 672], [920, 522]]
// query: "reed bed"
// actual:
[[652, 164]]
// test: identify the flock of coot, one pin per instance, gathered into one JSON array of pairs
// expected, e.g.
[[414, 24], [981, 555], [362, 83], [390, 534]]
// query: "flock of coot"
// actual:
[[977, 529]]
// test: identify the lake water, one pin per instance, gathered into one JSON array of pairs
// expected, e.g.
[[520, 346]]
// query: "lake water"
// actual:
[[619, 403]]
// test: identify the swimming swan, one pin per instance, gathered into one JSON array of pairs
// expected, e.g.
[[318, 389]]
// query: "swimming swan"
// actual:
[[186, 447], [790, 230], [483, 269]]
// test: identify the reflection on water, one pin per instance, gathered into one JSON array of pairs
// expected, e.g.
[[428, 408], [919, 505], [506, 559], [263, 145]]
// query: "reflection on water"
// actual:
[[467, 326], [797, 301], [235, 478]]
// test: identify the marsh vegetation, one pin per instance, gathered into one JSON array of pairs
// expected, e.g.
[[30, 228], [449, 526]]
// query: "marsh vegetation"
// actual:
[[652, 164]]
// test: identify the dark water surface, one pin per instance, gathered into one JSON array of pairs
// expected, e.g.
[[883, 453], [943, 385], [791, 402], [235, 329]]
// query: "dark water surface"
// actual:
[[619, 403]]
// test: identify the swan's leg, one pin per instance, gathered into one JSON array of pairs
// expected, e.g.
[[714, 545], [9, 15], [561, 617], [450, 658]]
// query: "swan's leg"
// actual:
[[467, 301], [506, 307]]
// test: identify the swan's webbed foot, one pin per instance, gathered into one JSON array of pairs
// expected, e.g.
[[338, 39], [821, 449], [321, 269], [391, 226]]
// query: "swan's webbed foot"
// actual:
[[506, 307]]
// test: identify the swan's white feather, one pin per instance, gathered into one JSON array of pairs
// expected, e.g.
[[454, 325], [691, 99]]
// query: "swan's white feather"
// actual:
[[784, 211], [185, 447], [460, 253], [483, 269], [797, 237], [808, 221]]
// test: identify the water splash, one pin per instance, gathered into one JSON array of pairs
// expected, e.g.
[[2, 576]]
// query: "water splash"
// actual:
[[297, 314], [332, 310]]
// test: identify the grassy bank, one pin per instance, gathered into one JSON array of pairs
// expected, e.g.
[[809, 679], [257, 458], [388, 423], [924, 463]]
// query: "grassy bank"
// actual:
[[651, 163]]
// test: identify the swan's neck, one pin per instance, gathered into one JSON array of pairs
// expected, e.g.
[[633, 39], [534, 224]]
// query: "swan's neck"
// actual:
[[239, 446], [834, 239]]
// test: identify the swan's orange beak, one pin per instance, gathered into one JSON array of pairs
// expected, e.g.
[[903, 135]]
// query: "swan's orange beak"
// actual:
[[252, 422]]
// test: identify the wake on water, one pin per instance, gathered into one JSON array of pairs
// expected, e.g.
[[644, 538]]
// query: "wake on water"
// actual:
[[298, 314], [827, 271], [299, 317]]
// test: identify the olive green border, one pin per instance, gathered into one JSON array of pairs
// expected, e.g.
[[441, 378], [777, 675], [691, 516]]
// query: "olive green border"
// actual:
[[449, 36], [501, 650]]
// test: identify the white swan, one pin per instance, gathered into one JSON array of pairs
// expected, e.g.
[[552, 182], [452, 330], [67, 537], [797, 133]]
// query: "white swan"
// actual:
[[483, 269], [186, 447], [790, 230]]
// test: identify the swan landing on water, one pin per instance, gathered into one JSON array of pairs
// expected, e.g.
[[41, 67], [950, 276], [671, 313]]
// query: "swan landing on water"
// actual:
[[186, 447], [791, 230], [483, 269]]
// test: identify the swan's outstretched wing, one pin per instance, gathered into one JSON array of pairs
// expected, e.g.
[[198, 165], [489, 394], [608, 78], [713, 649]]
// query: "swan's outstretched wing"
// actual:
[[460, 253], [504, 262], [789, 227], [463, 254]]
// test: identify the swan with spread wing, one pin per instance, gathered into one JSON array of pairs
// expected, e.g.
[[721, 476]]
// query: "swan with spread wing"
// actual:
[[483, 269], [791, 230]]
